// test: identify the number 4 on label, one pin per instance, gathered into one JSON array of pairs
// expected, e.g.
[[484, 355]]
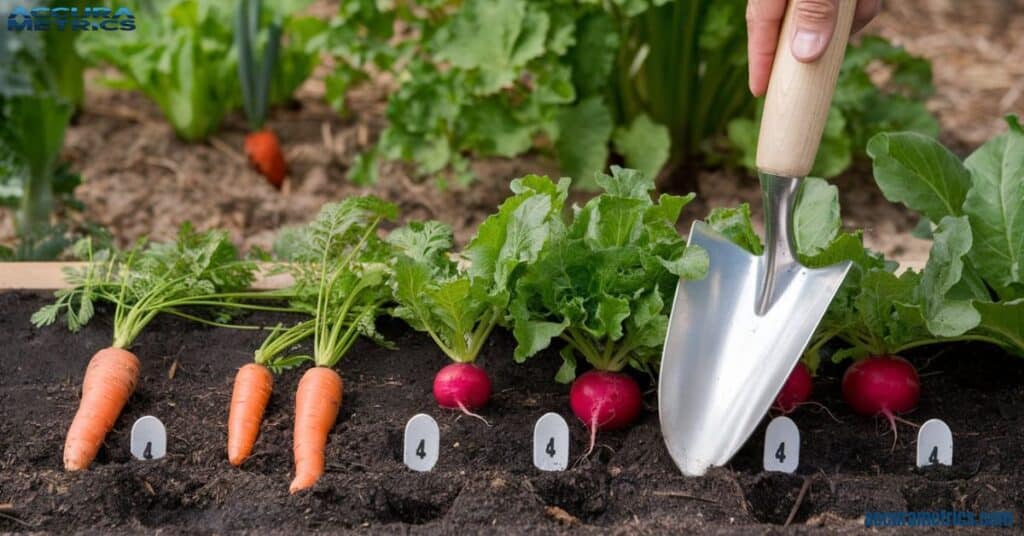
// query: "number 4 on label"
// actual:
[[934, 444], [422, 443], [551, 443], [781, 446]]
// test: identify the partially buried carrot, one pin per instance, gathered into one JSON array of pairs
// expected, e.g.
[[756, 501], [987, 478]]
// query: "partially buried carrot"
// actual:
[[264, 153], [110, 379], [253, 385], [317, 402]]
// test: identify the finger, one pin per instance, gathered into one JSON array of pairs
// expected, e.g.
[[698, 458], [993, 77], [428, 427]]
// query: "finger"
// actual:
[[764, 18], [866, 11], [815, 22]]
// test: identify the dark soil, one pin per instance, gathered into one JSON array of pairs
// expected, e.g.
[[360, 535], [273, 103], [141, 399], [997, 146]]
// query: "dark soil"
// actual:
[[484, 481]]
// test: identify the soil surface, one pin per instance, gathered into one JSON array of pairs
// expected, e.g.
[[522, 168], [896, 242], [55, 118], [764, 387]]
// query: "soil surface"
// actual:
[[484, 481]]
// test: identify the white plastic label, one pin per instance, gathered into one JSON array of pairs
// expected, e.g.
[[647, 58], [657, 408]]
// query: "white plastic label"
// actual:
[[149, 439], [781, 446], [422, 443], [934, 444], [551, 443]]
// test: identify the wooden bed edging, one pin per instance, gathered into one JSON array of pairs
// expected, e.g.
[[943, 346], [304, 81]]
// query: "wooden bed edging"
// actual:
[[50, 276]]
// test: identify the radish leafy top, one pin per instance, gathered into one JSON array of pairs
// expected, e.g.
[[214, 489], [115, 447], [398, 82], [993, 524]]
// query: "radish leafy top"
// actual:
[[458, 306], [603, 284], [972, 287]]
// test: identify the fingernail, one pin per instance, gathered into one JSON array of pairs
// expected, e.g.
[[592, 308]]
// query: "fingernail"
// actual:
[[807, 44]]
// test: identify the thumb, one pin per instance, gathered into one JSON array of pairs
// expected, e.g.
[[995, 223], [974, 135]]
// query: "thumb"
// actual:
[[815, 22]]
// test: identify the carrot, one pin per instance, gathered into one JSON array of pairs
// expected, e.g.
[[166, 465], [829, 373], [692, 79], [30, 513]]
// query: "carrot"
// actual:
[[253, 385], [110, 379], [317, 402], [264, 153]]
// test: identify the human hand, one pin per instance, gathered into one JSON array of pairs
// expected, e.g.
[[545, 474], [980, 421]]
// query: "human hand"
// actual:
[[815, 22]]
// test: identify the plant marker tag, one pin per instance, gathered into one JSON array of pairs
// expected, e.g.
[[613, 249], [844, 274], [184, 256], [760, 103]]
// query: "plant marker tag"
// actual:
[[149, 439], [551, 443], [422, 443], [934, 444], [781, 446]]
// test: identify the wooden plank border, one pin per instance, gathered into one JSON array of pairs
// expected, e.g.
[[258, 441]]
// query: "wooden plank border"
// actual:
[[50, 276]]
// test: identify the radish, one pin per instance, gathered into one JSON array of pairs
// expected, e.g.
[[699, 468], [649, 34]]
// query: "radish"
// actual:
[[882, 385], [464, 386], [601, 399], [796, 391]]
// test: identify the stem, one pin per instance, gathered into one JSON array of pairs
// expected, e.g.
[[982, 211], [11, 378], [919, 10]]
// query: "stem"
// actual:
[[962, 338], [213, 323], [482, 332], [280, 340]]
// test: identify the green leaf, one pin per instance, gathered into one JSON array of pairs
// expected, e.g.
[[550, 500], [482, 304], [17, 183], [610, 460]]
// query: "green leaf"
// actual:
[[1003, 321], [692, 264], [627, 183], [919, 172], [735, 224], [534, 336], [582, 144], [518, 231], [816, 217], [995, 207], [567, 372], [493, 38], [365, 169], [423, 242], [593, 56], [46, 315], [644, 145], [946, 317]]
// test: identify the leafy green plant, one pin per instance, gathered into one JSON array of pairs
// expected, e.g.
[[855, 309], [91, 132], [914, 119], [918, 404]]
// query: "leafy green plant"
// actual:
[[183, 59], [340, 271], [149, 279], [650, 83], [603, 282], [972, 286], [33, 118], [459, 300], [860, 108]]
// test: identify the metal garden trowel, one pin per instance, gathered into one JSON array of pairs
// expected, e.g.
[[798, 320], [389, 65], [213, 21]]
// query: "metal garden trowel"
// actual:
[[734, 336]]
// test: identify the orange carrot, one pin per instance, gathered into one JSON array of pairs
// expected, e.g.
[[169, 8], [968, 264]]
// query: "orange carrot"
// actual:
[[317, 402], [249, 398], [110, 379], [264, 153]]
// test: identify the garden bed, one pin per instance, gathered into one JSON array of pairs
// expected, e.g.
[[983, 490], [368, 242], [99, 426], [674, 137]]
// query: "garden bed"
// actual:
[[484, 480]]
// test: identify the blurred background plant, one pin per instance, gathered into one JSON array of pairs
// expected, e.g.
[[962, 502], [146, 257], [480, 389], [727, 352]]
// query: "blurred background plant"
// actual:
[[659, 85], [40, 86], [182, 56]]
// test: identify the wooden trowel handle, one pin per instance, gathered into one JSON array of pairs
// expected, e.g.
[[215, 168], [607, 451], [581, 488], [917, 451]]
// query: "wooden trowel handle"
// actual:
[[799, 95]]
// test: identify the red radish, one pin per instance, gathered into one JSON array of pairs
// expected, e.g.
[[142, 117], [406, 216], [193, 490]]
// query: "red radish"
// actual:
[[797, 389], [464, 386], [882, 385], [608, 400], [264, 151]]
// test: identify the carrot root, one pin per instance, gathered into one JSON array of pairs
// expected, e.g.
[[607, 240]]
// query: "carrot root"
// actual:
[[109, 381], [317, 402], [264, 151], [253, 385]]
